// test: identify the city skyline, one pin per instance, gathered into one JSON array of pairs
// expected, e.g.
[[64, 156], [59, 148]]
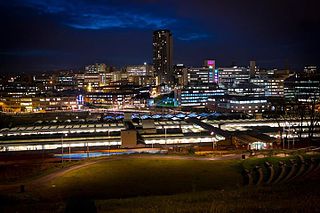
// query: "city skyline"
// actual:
[[159, 106], [45, 36]]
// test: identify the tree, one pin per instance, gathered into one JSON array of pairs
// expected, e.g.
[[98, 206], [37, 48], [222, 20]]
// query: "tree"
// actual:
[[313, 115], [277, 114]]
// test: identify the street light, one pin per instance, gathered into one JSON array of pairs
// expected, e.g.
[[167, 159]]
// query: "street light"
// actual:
[[282, 138], [62, 146], [289, 130], [165, 136], [212, 134], [69, 149], [88, 149]]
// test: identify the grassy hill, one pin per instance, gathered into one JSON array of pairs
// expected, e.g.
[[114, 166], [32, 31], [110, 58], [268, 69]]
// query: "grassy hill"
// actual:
[[157, 184], [121, 178]]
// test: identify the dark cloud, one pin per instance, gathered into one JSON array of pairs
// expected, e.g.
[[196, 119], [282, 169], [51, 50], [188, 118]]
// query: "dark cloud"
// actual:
[[41, 35]]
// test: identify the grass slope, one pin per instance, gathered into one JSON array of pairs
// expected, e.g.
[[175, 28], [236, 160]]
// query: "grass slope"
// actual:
[[158, 184], [141, 177], [285, 198]]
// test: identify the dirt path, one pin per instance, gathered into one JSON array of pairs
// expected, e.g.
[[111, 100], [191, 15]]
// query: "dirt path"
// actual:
[[44, 179]]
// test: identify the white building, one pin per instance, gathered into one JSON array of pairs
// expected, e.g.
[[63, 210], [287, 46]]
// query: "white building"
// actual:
[[231, 76]]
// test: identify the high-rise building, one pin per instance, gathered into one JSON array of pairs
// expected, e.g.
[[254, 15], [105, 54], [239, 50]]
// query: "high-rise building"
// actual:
[[162, 56], [252, 68]]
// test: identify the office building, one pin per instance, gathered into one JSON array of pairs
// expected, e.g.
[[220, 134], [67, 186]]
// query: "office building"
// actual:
[[116, 99], [200, 76], [180, 73], [95, 75], [140, 70], [196, 96], [249, 89], [141, 75], [64, 81], [231, 76], [310, 70], [211, 64], [40, 104], [44, 82], [273, 87], [95, 68], [238, 104], [302, 88]]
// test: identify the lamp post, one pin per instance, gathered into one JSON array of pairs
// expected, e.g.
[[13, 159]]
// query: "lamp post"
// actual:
[[282, 139], [293, 140], [62, 149], [69, 153], [286, 130], [165, 136], [62, 146], [289, 130], [212, 134], [87, 149]]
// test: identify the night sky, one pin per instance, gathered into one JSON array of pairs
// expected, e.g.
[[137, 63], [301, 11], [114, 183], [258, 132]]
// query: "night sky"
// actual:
[[48, 35]]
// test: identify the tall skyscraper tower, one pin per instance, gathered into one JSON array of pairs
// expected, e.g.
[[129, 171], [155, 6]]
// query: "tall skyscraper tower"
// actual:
[[253, 69], [162, 56]]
